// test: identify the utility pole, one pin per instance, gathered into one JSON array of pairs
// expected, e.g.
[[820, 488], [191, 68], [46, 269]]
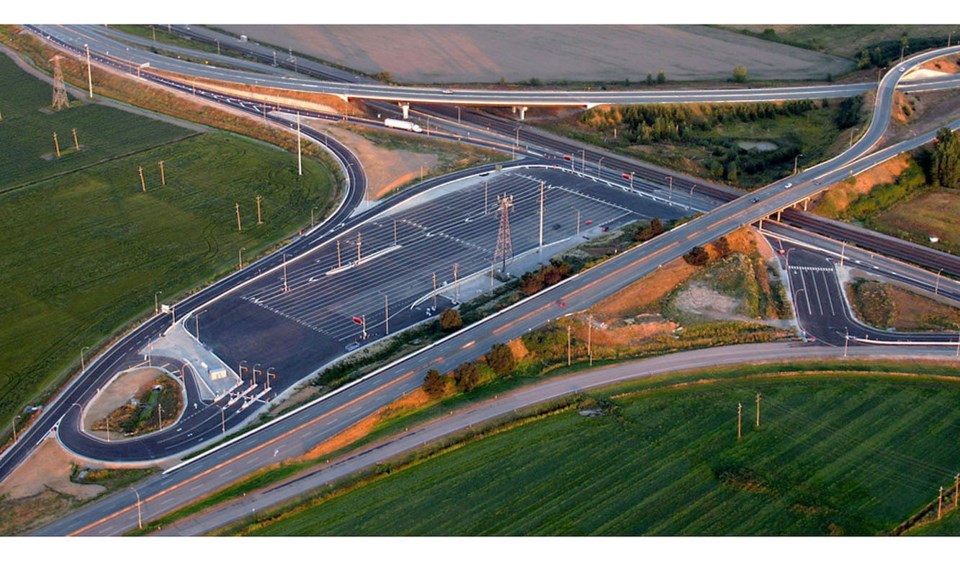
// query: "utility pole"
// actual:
[[936, 287], [846, 341], [590, 338], [484, 197], [456, 282], [339, 265], [299, 149], [56, 144], [285, 288], [240, 257], [259, 218], [359, 243], [669, 189], [89, 72], [843, 247], [76, 143], [159, 415], [434, 291], [569, 354], [223, 421], [739, 419], [363, 320], [239, 226], [394, 231], [758, 410], [143, 183], [163, 177], [940, 505], [540, 247]]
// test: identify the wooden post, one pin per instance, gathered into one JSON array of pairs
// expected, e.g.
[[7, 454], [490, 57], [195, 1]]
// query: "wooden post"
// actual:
[[163, 178], [739, 419], [76, 143], [239, 227], [56, 145], [143, 184], [259, 218], [569, 355], [758, 410]]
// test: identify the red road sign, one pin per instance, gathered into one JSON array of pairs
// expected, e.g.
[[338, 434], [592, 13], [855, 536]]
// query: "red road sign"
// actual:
[[357, 320]]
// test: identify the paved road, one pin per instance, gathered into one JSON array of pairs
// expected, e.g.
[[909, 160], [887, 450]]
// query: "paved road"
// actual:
[[118, 512], [102, 43]]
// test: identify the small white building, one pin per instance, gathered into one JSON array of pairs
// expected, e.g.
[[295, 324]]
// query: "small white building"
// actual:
[[217, 374]]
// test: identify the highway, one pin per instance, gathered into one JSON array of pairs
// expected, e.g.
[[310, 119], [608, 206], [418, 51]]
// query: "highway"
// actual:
[[102, 43]]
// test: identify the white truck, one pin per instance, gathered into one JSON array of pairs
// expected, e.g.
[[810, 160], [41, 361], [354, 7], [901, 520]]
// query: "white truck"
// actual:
[[402, 125]]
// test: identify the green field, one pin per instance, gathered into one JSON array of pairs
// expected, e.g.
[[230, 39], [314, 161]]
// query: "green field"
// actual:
[[85, 250], [834, 455], [26, 131]]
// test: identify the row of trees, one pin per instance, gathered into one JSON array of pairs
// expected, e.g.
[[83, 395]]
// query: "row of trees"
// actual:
[[499, 362], [945, 160], [533, 282]]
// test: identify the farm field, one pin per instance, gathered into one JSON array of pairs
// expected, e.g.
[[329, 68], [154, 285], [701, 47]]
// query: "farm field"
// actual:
[[552, 54], [835, 454], [85, 250], [931, 213]]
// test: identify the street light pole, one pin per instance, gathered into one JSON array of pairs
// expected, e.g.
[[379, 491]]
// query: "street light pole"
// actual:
[[600, 161], [936, 288], [89, 72], [631, 179], [842, 248], [156, 302], [196, 319], [223, 421], [796, 162], [670, 188], [312, 224], [139, 516], [240, 257], [83, 366]]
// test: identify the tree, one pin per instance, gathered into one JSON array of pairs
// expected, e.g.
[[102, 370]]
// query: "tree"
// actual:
[[501, 359], [697, 256], [384, 77], [849, 113], [434, 384], [649, 78], [653, 229], [661, 77], [722, 246], [945, 161], [450, 320], [739, 74], [467, 376]]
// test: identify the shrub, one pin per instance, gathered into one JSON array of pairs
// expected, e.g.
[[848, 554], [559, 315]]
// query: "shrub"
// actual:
[[450, 320], [501, 359], [467, 376], [697, 256], [739, 74], [434, 384]]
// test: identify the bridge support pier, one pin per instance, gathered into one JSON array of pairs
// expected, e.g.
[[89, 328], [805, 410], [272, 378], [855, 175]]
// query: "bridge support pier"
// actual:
[[523, 112], [406, 110], [805, 202], [778, 216], [760, 224]]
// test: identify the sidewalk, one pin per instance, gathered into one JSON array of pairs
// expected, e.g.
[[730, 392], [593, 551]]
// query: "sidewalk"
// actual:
[[216, 379]]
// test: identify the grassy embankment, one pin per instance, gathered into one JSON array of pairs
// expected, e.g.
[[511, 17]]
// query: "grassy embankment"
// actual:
[[85, 249], [884, 305], [860, 464], [747, 145]]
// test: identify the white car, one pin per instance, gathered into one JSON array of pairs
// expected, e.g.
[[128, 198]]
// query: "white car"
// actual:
[[787, 185], [902, 69], [447, 92]]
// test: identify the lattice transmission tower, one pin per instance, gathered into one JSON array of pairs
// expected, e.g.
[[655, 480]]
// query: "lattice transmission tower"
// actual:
[[60, 100], [504, 250]]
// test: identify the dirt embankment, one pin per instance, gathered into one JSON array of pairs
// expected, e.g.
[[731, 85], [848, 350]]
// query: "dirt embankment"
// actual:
[[835, 200], [48, 468], [117, 394], [386, 169]]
